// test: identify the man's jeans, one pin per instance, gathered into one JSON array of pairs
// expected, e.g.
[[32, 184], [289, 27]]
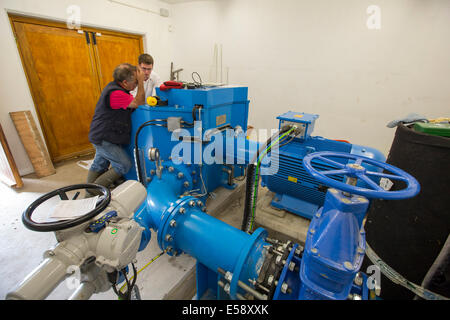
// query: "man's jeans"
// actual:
[[108, 153]]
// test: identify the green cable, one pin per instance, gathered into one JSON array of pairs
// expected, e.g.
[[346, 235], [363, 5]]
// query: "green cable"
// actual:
[[261, 157]]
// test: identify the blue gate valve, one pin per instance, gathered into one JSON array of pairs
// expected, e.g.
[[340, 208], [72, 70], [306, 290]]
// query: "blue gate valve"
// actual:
[[335, 243]]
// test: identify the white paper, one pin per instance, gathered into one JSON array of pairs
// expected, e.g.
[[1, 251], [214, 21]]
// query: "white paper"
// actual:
[[71, 209]]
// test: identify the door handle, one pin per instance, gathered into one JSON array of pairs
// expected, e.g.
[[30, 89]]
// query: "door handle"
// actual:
[[94, 38], [88, 40]]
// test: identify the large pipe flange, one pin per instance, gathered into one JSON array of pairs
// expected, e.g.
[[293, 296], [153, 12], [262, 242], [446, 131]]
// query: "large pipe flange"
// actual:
[[173, 218]]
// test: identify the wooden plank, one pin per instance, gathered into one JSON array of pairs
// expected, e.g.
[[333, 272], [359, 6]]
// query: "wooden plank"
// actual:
[[9, 173], [33, 143]]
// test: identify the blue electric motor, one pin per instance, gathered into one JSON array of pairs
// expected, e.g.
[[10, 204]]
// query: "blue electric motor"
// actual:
[[295, 190]]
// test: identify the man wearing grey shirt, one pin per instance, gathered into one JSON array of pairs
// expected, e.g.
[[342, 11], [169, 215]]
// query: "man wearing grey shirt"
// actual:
[[151, 79]]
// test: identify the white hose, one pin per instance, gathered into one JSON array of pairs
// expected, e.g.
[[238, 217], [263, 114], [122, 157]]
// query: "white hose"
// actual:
[[395, 277]]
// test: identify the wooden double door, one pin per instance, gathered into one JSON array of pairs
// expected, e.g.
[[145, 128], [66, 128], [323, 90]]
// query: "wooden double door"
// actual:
[[66, 70]]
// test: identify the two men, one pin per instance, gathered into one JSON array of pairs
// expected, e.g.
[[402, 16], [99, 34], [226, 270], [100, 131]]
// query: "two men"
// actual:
[[111, 124]]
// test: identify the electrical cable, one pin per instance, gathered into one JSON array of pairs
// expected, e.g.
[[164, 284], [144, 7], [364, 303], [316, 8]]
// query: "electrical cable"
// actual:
[[205, 191], [194, 118], [251, 193], [120, 295], [261, 157], [195, 84], [134, 278], [200, 83], [142, 269], [136, 153], [248, 196], [287, 142], [199, 107], [126, 294], [249, 190], [136, 149]]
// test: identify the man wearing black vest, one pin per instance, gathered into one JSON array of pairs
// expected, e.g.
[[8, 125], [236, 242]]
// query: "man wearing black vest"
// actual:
[[111, 125]]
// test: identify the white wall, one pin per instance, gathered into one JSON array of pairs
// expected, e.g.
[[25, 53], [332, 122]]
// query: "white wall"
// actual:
[[14, 91], [320, 57]]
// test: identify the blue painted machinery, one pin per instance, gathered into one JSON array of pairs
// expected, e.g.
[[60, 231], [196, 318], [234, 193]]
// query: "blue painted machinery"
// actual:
[[196, 142], [295, 190], [235, 264], [182, 129]]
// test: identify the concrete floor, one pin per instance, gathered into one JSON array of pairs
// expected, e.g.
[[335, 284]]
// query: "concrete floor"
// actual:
[[167, 278]]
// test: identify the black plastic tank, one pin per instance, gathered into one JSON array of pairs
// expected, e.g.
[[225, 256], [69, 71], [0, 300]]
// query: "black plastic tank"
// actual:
[[409, 234]]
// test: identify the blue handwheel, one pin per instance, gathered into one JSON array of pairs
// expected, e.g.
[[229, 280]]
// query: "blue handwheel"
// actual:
[[356, 170]]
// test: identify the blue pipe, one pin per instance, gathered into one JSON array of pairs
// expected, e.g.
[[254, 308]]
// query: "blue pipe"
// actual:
[[211, 241], [240, 150], [161, 193], [182, 226]]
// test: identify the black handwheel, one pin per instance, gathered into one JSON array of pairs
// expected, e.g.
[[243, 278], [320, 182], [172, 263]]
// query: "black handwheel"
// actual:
[[101, 205]]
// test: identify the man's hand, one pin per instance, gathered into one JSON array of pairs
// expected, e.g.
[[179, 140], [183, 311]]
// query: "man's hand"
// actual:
[[140, 95], [140, 76]]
